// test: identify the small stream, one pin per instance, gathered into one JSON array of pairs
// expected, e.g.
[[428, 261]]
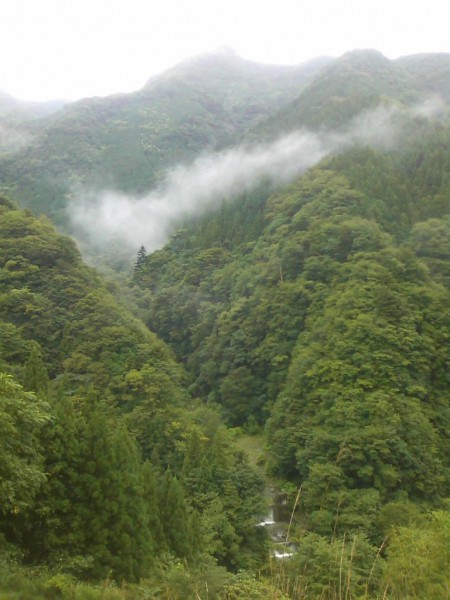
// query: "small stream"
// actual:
[[276, 522]]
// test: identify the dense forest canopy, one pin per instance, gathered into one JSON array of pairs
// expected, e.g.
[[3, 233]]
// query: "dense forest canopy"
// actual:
[[308, 319]]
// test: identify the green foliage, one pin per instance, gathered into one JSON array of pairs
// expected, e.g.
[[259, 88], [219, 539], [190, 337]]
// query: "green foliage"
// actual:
[[141, 256], [333, 323], [99, 511], [352, 415], [35, 376], [227, 493], [85, 337], [247, 587], [418, 560], [90, 516], [340, 568], [17, 583], [319, 310], [22, 416]]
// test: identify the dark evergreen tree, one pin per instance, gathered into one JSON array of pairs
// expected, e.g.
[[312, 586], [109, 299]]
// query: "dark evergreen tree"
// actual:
[[153, 508], [36, 376], [91, 516], [140, 260], [176, 518]]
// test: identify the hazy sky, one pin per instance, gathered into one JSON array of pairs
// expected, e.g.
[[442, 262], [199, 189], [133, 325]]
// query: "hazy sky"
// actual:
[[76, 48]]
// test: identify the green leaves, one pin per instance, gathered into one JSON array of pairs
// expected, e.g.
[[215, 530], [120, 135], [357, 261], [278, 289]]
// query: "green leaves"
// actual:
[[22, 417], [91, 516], [353, 402], [417, 560], [85, 337]]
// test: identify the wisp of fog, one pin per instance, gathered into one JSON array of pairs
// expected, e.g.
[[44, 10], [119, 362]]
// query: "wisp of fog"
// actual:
[[188, 190], [13, 138]]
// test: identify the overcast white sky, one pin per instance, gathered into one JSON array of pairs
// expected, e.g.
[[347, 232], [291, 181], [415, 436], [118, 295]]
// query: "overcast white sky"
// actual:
[[77, 48]]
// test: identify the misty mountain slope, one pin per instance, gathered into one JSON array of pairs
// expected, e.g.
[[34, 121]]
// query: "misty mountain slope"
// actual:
[[129, 143], [360, 80], [22, 110], [431, 72], [21, 121], [249, 90], [125, 142]]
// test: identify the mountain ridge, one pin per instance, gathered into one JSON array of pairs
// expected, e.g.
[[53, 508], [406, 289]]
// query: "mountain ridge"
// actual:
[[128, 142]]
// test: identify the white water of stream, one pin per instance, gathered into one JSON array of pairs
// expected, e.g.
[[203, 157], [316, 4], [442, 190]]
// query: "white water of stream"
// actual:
[[277, 529]]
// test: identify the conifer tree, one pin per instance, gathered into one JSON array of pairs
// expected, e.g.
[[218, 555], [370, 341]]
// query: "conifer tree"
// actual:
[[36, 376], [91, 516], [175, 517], [140, 260], [150, 484]]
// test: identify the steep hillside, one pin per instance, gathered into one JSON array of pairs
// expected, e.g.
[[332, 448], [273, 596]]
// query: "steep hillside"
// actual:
[[51, 303], [329, 315], [216, 278], [106, 461]]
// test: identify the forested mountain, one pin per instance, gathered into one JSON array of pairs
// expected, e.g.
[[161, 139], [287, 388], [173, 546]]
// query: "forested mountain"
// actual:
[[52, 302], [362, 80], [21, 121], [100, 441], [322, 312], [233, 308], [430, 72], [314, 315], [125, 142]]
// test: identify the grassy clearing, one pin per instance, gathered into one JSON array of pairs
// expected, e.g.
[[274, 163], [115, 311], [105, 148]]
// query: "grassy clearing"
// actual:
[[253, 446]]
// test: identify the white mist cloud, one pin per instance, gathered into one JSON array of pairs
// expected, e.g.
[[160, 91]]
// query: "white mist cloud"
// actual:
[[192, 189], [432, 107], [13, 138], [376, 128]]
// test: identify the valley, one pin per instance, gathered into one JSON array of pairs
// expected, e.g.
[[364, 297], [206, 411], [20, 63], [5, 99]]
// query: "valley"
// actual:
[[247, 322]]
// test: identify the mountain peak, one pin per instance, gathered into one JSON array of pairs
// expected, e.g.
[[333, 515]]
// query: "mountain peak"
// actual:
[[364, 54]]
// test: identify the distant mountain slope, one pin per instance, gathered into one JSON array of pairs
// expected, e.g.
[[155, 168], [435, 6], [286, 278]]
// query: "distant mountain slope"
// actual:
[[10, 106], [430, 72], [248, 90], [357, 81], [126, 141], [21, 121]]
